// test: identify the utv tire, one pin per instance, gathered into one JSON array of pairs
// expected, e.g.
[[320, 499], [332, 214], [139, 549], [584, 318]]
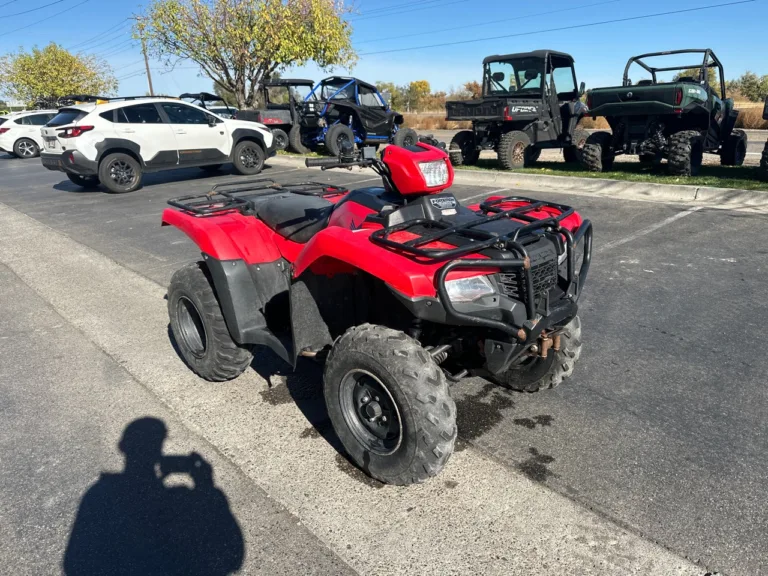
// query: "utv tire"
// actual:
[[514, 150], [462, 150], [25, 148], [405, 137], [572, 154], [281, 138], [763, 170], [199, 328], [336, 136], [598, 154], [120, 173], [542, 373], [248, 158], [686, 153], [373, 371], [87, 182], [735, 149], [294, 141]]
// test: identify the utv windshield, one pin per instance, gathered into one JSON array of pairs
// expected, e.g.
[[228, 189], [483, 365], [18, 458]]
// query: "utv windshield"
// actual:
[[513, 77], [331, 90]]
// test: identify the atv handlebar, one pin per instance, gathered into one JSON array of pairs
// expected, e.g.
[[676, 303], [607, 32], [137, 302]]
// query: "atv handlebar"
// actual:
[[325, 163]]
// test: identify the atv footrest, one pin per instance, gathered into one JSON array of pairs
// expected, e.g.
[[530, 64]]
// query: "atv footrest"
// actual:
[[239, 195]]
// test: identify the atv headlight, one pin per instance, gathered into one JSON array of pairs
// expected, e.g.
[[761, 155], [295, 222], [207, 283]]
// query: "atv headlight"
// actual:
[[468, 289], [435, 173]]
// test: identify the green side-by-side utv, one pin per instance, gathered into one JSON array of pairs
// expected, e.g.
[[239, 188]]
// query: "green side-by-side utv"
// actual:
[[677, 120]]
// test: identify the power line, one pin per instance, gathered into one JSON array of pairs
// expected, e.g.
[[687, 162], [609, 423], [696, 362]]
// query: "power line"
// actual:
[[562, 28], [117, 49], [120, 36], [396, 6], [7, 3], [101, 35], [415, 9], [32, 9], [44, 19], [581, 7]]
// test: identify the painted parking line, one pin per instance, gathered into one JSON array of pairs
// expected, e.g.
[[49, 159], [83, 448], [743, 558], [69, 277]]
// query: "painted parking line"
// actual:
[[486, 193], [648, 230]]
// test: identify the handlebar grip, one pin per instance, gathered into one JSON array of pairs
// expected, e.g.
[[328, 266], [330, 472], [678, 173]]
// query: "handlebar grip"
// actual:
[[322, 162]]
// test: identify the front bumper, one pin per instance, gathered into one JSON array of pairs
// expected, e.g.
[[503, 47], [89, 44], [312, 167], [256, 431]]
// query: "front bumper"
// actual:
[[71, 161]]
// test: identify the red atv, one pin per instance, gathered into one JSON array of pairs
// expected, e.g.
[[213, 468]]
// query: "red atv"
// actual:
[[399, 289]]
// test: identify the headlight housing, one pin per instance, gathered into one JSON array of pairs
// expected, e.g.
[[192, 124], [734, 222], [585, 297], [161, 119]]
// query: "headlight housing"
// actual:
[[435, 173], [469, 289]]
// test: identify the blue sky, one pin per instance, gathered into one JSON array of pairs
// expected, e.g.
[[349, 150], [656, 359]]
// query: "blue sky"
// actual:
[[736, 33]]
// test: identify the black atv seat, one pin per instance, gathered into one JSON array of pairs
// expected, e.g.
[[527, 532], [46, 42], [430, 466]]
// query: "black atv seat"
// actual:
[[296, 217]]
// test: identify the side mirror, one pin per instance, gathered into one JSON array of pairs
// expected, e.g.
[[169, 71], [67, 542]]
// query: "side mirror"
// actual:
[[582, 89]]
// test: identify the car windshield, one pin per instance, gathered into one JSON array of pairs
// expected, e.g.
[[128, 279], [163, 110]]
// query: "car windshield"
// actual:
[[333, 90], [515, 76]]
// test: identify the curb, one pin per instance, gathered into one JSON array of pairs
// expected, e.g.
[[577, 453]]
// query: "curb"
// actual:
[[709, 196]]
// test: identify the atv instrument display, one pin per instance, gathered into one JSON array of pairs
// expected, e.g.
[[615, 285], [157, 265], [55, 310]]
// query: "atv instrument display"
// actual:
[[399, 289]]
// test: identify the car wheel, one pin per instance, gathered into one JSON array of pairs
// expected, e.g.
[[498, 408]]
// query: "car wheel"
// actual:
[[120, 173], [26, 148], [87, 182], [248, 158]]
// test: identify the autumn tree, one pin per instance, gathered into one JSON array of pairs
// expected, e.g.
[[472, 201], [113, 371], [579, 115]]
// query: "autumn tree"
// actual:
[[415, 94], [474, 88], [47, 74], [240, 43]]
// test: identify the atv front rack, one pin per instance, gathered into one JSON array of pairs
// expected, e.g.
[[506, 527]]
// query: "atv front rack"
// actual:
[[474, 241], [239, 195]]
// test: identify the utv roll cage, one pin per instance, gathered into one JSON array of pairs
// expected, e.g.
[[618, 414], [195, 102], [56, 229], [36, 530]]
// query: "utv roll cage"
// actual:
[[349, 82], [204, 97], [709, 61], [543, 55]]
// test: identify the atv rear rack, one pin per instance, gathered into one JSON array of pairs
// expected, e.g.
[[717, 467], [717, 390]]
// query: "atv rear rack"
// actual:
[[238, 195]]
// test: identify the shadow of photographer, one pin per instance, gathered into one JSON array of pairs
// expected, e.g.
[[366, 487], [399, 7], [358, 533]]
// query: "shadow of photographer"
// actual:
[[140, 522]]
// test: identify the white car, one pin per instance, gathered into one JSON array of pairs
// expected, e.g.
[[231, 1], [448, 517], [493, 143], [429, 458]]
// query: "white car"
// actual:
[[115, 143], [20, 132]]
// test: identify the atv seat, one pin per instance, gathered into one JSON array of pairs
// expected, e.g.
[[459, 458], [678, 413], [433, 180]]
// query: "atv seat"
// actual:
[[296, 217]]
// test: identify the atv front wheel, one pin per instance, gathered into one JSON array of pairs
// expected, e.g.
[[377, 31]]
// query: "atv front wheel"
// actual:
[[294, 141], [542, 373], [199, 328], [763, 171], [573, 153], [389, 404], [462, 150], [735, 149], [514, 150], [336, 136], [405, 137], [598, 154], [686, 153]]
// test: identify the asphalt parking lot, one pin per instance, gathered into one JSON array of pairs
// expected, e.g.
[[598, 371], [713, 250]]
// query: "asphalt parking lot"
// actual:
[[652, 454]]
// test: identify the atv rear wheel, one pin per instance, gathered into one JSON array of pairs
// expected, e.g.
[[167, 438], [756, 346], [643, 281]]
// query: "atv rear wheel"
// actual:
[[735, 149], [598, 154], [294, 140], [542, 373], [686, 153], [763, 170], [462, 150], [514, 150], [389, 404], [336, 136], [405, 137], [573, 153], [281, 138], [199, 328]]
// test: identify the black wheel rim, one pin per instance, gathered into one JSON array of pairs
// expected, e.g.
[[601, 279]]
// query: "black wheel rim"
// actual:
[[281, 141], [370, 412], [122, 173], [249, 157], [340, 139], [409, 140], [191, 327]]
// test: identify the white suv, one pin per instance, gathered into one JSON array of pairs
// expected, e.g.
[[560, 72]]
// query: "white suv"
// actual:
[[20, 132], [117, 142]]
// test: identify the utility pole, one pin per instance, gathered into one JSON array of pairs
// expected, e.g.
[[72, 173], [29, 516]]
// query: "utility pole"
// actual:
[[146, 60]]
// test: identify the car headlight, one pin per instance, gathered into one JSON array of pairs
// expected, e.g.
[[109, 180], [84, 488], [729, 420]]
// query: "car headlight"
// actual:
[[468, 289], [435, 173]]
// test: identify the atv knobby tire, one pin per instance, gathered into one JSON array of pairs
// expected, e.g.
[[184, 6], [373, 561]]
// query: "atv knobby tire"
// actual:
[[514, 150], [735, 149], [405, 137], [542, 373], [294, 141], [573, 153], [280, 138], [199, 328], [414, 391], [598, 154], [335, 136], [462, 149], [763, 170], [685, 153]]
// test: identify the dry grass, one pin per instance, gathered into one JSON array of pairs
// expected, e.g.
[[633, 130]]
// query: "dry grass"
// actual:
[[433, 122], [752, 119]]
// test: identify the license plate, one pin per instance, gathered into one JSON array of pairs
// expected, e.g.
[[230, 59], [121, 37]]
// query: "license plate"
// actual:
[[51, 143]]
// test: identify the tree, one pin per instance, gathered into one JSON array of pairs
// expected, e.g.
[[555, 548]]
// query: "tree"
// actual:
[[416, 93], [393, 93], [474, 88], [712, 76], [750, 86], [240, 43], [48, 74], [226, 95]]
